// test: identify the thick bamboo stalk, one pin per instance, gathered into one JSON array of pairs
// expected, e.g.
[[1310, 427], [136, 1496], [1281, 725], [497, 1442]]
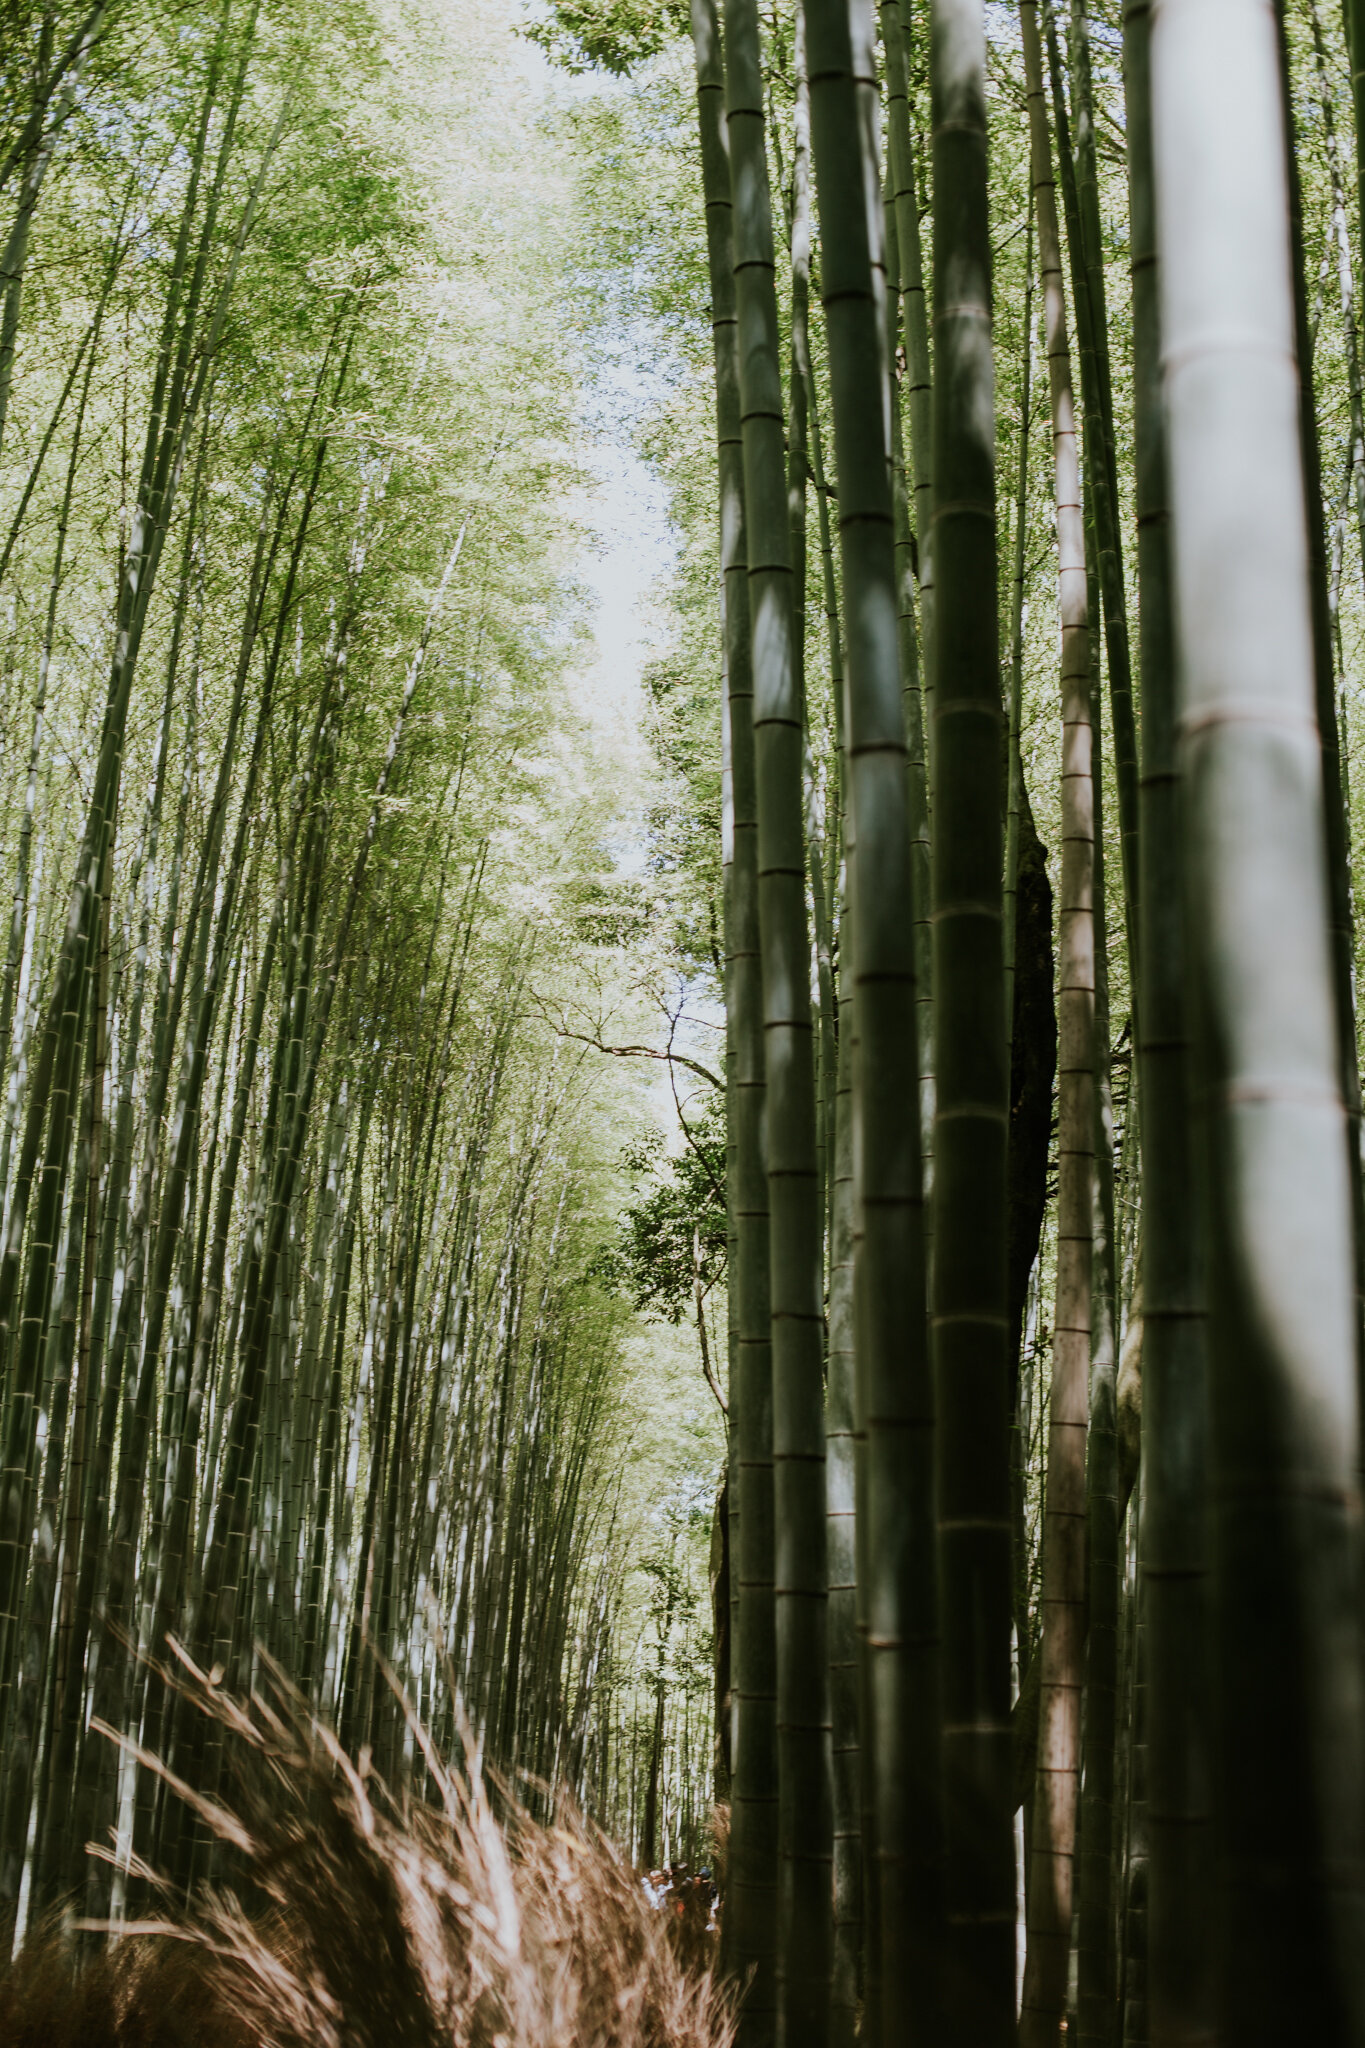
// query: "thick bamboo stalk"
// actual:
[[967, 1291], [1283, 1386], [804, 1927], [1174, 1559], [893, 1393]]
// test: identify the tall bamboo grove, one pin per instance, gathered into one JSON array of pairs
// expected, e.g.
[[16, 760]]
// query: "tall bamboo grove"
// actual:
[[998, 1799], [1031, 1653], [305, 1376]]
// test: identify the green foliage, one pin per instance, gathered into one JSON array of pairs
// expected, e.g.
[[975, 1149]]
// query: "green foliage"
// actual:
[[673, 1236], [607, 35]]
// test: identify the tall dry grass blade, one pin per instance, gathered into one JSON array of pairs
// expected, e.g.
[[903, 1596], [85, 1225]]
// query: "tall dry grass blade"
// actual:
[[376, 1922]]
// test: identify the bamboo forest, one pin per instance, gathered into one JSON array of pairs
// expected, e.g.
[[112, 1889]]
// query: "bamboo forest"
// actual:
[[682, 1186]]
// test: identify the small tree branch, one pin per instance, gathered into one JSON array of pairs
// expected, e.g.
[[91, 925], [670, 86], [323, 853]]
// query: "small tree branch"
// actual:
[[642, 1052]]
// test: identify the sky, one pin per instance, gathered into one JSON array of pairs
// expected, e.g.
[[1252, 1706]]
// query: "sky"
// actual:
[[623, 507], [632, 548]]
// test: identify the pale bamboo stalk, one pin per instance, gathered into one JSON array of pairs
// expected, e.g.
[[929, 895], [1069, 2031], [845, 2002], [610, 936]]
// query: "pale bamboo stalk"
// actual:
[[1284, 1404], [1057, 1787]]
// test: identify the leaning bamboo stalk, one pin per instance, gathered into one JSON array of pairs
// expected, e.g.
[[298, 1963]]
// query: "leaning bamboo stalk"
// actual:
[[14, 258]]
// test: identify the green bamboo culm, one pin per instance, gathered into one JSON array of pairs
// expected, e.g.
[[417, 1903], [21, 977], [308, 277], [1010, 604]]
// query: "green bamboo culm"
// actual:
[[805, 1824], [895, 1393], [1174, 1555], [856, 1970], [971, 1379], [750, 1916], [1283, 1405], [909, 314], [912, 693]]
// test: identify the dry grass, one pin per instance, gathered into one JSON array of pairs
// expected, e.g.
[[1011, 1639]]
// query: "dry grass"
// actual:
[[376, 1924]]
